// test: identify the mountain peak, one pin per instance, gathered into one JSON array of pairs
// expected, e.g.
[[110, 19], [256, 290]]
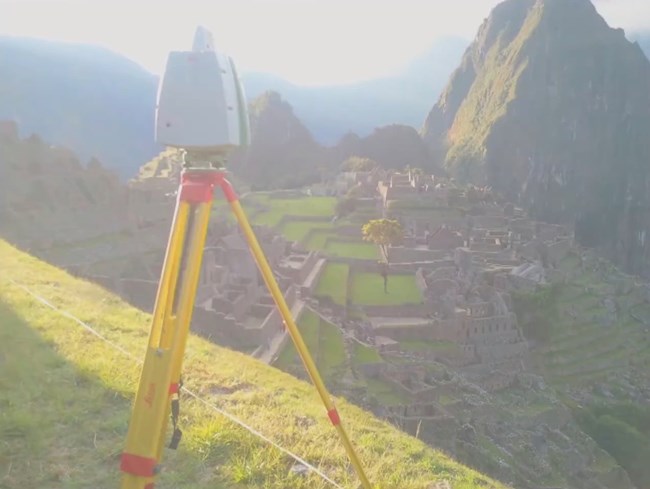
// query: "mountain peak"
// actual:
[[283, 152], [550, 106]]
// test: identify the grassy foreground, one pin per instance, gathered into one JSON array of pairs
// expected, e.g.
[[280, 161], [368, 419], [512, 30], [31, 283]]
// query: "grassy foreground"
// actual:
[[65, 400]]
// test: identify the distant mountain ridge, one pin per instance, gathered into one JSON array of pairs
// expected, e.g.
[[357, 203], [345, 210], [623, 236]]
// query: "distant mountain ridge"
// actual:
[[87, 98], [332, 111], [101, 104], [283, 152]]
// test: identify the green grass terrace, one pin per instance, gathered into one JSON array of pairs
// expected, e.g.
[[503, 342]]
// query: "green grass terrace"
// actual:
[[366, 289], [311, 223]]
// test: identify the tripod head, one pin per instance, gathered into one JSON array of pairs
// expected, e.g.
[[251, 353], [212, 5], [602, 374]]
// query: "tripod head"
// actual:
[[201, 105]]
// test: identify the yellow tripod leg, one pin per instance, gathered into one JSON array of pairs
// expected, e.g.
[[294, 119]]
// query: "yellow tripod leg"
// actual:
[[298, 341], [186, 298], [139, 463], [170, 327]]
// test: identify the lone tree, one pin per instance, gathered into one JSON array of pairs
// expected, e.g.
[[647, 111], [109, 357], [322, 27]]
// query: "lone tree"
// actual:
[[358, 163], [383, 232]]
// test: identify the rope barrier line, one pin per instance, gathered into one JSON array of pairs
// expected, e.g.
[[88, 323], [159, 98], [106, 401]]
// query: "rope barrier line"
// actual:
[[192, 394]]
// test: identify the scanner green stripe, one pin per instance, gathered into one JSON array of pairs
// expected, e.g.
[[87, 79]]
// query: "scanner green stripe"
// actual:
[[244, 126]]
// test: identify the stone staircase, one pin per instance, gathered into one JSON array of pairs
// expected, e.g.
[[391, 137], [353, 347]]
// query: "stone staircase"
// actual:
[[269, 354], [311, 282]]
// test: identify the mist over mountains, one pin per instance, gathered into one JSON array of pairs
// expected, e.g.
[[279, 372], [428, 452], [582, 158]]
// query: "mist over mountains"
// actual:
[[332, 111], [101, 104]]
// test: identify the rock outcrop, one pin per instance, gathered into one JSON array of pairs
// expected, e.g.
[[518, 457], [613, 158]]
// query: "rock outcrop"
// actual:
[[551, 107]]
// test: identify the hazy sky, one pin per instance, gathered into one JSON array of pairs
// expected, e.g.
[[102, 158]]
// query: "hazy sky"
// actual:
[[305, 41]]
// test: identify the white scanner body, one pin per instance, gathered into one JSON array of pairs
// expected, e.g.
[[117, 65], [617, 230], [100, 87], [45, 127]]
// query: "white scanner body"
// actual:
[[201, 102]]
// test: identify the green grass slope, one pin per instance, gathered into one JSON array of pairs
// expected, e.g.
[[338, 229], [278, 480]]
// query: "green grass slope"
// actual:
[[65, 400]]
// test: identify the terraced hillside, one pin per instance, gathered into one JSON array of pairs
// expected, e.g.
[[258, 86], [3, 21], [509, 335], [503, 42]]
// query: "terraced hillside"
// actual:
[[600, 331], [594, 349], [65, 400], [529, 433], [310, 221]]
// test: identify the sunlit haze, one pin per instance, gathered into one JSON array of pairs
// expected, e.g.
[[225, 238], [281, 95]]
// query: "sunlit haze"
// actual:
[[305, 41]]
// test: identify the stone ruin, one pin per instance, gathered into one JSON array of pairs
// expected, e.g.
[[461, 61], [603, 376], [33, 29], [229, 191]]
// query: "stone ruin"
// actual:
[[88, 222], [465, 267]]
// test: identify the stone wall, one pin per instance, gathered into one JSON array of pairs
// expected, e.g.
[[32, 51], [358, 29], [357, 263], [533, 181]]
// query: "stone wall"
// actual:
[[219, 328], [221, 305], [501, 260], [271, 325], [420, 225], [227, 331], [488, 222], [485, 246], [274, 248], [480, 309], [453, 330], [490, 326], [443, 272], [241, 304], [403, 310], [401, 254], [462, 356], [407, 268], [300, 273], [359, 265], [409, 193], [497, 257]]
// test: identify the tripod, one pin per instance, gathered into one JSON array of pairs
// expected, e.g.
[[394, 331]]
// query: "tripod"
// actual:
[[159, 387]]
